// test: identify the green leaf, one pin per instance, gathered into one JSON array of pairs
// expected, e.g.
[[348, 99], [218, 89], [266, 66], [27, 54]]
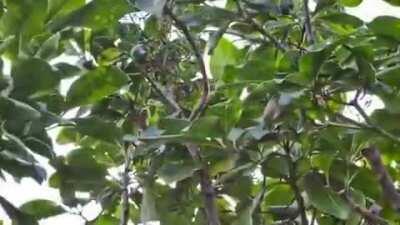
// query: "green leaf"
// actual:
[[393, 2], [24, 19], [386, 26], [46, 79], [13, 109], [206, 127], [78, 171], [97, 15], [279, 194], [98, 128], [275, 166], [201, 16], [342, 23], [59, 8], [226, 53], [350, 3], [106, 220], [17, 217], [95, 85], [20, 168], [261, 66], [41, 208], [310, 65], [49, 48], [67, 70], [324, 198], [223, 164], [176, 171], [173, 126], [390, 76]]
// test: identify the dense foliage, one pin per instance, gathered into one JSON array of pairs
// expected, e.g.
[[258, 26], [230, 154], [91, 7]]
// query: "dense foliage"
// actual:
[[213, 115]]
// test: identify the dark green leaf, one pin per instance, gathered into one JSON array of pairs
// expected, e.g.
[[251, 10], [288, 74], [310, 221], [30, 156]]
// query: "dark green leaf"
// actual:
[[97, 15], [176, 171], [325, 199], [13, 109], [20, 168], [393, 2], [45, 79], [41, 208], [386, 26], [100, 129], [95, 85]]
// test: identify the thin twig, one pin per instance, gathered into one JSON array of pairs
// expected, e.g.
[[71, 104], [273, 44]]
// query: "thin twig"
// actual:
[[308, 26], [157, 87], [366, 214], [370, 123], [200, 61], [259, 27]]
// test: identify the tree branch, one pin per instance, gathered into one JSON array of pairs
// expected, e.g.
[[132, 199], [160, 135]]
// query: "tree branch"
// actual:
[[171, 101], [368, 215], [390, 193], [370, 123], [207, 188], [308, 26], [206, 86], [260, 28]]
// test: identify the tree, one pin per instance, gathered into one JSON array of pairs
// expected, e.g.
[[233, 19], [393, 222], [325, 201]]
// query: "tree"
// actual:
[[213, 115]]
